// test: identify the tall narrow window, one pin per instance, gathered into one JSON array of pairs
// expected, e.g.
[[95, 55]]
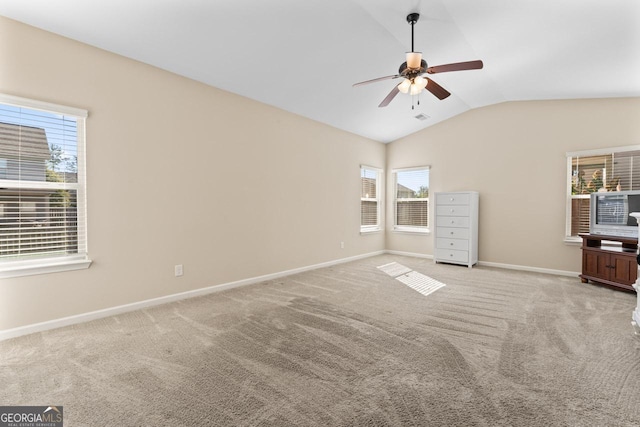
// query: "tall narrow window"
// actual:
[[412, 199], [370, 179], [42, 186], [613, 169]]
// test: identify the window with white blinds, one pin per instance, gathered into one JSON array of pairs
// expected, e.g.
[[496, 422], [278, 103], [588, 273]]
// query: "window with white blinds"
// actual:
[[370, 195], [613, 169], [42, 184], [412, 199]]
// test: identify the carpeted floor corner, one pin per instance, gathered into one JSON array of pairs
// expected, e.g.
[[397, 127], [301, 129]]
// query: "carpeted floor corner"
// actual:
[[347, 346]]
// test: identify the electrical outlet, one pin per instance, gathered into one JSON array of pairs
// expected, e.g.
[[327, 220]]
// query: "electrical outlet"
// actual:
[[341, 245], [178, 270]]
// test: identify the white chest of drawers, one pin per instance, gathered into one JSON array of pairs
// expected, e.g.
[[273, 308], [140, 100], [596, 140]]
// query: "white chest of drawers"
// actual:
[[456, 228]]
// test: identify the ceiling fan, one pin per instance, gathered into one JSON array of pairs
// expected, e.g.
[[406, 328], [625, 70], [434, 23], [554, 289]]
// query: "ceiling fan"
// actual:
[[413, 69]]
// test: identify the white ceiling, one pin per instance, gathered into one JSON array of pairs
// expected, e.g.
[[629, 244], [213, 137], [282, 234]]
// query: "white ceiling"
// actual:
[[303, 55]]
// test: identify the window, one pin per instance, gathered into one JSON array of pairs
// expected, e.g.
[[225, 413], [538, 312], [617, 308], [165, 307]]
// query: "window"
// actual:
[[613, 169], [412, 199], [370, 179], [42, 187]]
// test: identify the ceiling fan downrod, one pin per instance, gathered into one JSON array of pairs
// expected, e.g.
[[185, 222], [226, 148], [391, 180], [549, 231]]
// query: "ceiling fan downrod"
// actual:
[[412, 18]]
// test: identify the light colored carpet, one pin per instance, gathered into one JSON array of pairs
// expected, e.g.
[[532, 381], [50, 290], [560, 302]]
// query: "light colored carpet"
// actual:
[[347, 345]]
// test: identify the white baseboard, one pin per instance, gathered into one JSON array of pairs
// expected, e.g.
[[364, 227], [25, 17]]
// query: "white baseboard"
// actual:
[[411, 254], [112, 311], [532, 269], [499, 265]]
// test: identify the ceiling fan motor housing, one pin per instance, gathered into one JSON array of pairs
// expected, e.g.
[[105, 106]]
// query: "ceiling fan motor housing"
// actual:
[[405, 72]]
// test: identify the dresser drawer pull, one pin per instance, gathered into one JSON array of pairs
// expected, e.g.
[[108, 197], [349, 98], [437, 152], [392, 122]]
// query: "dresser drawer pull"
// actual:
[[451, 243], [452, 199], [452, 233], [453, 210]]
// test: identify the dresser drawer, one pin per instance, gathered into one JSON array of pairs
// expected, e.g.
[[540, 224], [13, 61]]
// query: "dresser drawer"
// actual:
[[458, 244], [453, 221], [452, 199], [452, 255], [453, 233], [452, 210]]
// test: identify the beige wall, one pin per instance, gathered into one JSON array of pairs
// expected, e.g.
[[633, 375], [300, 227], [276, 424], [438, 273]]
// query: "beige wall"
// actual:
[[513, 154], [182, 173]]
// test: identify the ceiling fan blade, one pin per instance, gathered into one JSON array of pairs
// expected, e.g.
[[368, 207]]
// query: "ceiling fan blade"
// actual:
[[366, 82], [389, 97], [433, 87], [458, 66]]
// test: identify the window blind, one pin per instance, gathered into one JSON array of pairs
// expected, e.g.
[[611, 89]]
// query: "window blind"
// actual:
[[369, 198], [412, 198], [42, 192], [617, 170]]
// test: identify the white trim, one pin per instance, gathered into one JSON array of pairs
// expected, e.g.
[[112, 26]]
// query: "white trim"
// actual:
[[43, 106], [411, 254], [364, 229], [532, 269], [586, 153], [370, 229], [499, 265], [568, 200], [25, 266], [413, 168], [373, 168], [112, 311], [39, 185], [410, 230], [42, 266], [602, 151], [572, 240], [81, 193], [405, 228]]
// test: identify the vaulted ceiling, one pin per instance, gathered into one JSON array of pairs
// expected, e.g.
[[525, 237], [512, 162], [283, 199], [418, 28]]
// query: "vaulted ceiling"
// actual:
[[304, 56]]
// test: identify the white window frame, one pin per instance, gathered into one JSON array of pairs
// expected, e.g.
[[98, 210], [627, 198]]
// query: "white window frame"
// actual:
[[378, 199], [568, 238], [27, 267], [405, 228]]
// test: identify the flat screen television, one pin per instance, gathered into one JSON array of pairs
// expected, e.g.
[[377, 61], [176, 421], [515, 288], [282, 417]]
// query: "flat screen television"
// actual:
[[609, 213]]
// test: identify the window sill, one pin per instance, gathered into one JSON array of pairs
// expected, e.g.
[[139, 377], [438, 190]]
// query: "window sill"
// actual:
[[33, 267], [370, 230], [572, 241], [409, 230]]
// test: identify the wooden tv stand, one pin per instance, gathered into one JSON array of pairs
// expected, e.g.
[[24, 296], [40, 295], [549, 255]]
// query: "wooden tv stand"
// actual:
[[609, 260]]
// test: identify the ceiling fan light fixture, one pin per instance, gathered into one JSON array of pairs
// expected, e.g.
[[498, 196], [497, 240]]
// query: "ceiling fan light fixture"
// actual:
[[420, 81], [414, 59], [404, 86]]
